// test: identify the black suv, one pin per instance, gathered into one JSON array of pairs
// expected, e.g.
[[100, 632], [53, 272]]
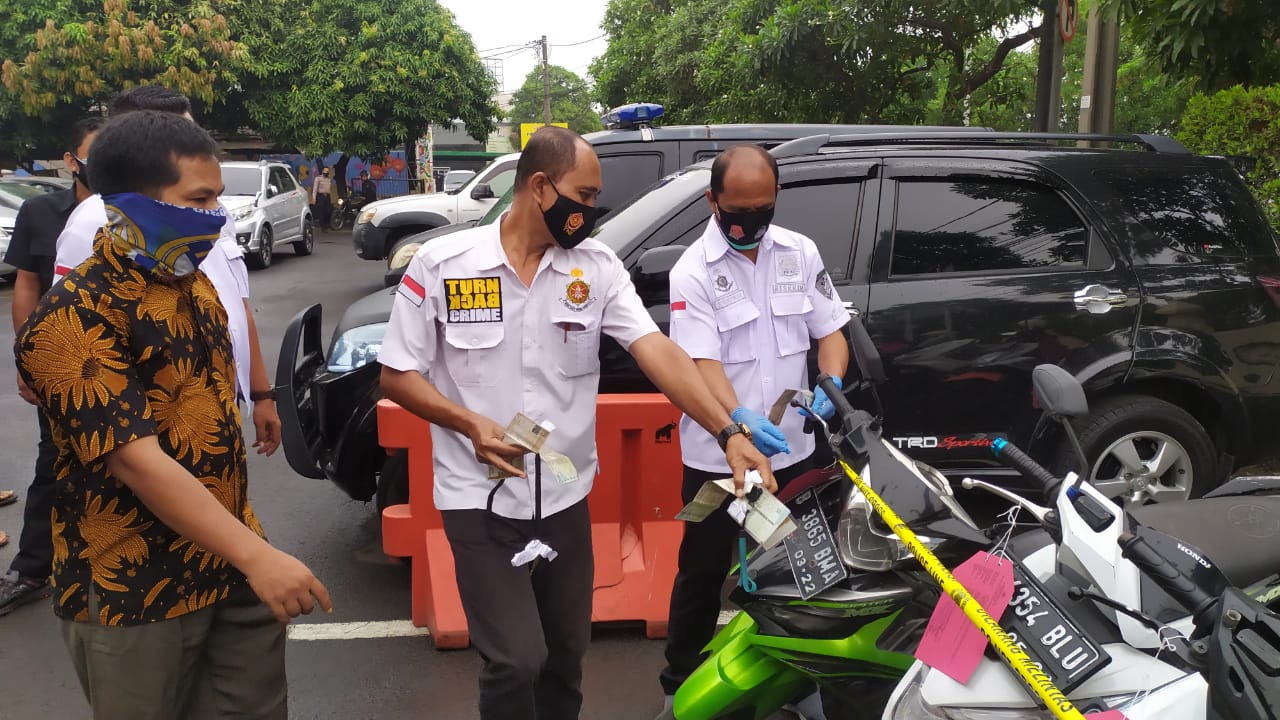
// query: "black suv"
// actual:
[[972, 257]]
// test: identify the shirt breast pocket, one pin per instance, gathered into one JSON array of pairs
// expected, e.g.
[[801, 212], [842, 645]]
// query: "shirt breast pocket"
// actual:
[[576, 343], [788, 321], [471, 353], [734, 323]]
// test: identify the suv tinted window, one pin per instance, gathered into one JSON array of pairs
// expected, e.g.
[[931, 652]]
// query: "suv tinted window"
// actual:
[[626, 175], [826, 215], [281, 178], [1203, 212], [984, 225]]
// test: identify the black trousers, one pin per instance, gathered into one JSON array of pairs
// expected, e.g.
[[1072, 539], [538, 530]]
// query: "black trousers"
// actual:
[[324, 209], [531, 627], [35, 546], [706, 554]]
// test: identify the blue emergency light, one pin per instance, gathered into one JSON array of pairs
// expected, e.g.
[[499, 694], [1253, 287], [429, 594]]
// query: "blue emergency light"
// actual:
[[632, 116]]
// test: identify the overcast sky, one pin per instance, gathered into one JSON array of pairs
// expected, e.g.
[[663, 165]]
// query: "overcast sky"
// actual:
[[495, 25]]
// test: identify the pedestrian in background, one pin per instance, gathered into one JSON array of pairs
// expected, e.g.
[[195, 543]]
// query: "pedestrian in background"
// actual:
[[172, 603], [32, 249], [321, 198]]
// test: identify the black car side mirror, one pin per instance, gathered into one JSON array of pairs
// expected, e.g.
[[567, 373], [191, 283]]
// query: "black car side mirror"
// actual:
[[651, 272], [482, 191], [1059, 392]]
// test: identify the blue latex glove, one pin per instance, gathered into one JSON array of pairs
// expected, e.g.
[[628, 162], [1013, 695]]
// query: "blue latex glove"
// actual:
[[768, 439], [822, 405]]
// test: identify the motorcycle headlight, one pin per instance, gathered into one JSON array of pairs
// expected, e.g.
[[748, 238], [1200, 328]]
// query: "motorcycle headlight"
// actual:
[[864, 542], [911, 705], [244, 212], [357, 347], [400, 258], [366, 216]]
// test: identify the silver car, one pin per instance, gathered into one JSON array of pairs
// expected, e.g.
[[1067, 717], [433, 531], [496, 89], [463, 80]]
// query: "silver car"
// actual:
[[270, 208]]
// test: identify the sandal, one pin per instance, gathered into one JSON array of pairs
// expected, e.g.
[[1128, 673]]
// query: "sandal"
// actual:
[[8, 497]]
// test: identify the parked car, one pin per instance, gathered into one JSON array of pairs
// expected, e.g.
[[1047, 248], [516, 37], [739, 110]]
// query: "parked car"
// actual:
[[380, 225], [404, 250], [270, 207], [971, 257], [40, 182], [8, 216], [632, 155], [455, 179], [13, 194]]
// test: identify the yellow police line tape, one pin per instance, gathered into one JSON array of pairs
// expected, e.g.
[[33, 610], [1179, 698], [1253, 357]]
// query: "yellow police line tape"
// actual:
[[1016, 657]]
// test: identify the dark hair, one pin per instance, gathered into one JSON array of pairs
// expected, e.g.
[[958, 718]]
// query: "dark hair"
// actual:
[[82, 130], [552, 150], [138, 151], [150, 97], [725, 159]]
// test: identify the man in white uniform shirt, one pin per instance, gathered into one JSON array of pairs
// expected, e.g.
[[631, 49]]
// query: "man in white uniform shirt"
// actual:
[[746, 298], [507, 319], [224, 266]]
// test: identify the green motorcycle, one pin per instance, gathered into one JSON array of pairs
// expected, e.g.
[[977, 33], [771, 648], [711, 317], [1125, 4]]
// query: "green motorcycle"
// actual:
[[842, 610]]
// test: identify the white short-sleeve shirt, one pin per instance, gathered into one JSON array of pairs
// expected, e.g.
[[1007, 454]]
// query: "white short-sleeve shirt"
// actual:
[[488, 343], [756, 319], [224, 266]]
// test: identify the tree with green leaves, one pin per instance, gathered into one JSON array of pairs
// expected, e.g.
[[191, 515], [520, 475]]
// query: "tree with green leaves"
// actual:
[[571, 100], [64, 58], [1218, 42], [367, 77], [807, 60]]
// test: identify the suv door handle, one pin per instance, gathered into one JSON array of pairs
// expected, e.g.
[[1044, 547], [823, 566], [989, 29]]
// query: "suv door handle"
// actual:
[[1099, 299], [853, 311]]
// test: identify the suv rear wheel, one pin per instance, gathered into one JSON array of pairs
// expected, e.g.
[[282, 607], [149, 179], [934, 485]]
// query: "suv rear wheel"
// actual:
[[1143, 449], [307, 244]]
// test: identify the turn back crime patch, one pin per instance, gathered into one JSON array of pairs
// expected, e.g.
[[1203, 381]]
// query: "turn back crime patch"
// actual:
[[473, 300]]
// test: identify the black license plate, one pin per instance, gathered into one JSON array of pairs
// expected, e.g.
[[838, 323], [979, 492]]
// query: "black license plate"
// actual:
[[815, 561], [1044, 629]]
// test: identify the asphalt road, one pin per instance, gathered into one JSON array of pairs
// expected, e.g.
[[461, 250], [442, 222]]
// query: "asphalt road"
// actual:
[[395, 677]]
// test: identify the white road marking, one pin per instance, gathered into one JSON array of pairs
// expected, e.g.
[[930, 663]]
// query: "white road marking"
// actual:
[[355, 630], [374, 629]]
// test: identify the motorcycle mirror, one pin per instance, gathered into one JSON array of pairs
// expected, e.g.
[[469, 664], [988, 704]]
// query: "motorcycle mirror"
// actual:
[[1059, 392], [865, 353]]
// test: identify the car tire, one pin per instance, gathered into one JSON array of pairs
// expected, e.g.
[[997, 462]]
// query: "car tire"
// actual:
[[1143, 449], [307, 244], [261, 258], [393, 481]]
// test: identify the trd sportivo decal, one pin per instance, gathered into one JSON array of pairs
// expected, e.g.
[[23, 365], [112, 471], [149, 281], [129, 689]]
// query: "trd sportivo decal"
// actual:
[[950, 442]]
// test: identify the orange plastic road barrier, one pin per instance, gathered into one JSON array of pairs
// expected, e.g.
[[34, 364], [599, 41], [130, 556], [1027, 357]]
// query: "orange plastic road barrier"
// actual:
[[634, 533]]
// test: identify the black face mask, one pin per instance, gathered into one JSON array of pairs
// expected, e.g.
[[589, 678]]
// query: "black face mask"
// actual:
[[744, 230], [83, 175], [569, 221]]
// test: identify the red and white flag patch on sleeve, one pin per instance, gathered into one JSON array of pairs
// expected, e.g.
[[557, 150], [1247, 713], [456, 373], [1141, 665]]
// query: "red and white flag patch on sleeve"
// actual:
[[678, 305], [412, 290]]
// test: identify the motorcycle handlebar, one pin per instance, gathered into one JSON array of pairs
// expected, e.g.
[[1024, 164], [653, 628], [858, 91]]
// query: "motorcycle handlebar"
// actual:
[[1020, 461], [837, 398], [1165, 574]]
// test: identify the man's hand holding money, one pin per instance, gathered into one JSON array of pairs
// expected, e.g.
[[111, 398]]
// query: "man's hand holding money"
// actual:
[[487, 437]]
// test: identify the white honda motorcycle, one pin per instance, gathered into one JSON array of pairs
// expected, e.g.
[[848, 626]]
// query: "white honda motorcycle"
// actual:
[[1139, 612]]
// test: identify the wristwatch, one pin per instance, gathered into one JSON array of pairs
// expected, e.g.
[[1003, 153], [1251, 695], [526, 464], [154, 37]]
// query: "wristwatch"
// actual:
[[731, 430], [260, 395]]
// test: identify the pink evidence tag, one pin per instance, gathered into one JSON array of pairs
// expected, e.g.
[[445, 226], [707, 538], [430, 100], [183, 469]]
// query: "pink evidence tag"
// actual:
[[1106, 715], [952, 644]]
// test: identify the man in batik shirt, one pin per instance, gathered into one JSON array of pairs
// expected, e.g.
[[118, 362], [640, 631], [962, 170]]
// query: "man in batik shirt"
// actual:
[[171, 600]]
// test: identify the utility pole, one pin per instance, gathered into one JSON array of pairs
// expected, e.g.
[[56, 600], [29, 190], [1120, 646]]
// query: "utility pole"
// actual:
[[1049, 73], [1098, 88], [546, 85]]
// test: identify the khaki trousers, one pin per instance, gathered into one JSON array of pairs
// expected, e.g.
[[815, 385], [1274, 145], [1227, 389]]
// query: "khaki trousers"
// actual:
[[225, 661]]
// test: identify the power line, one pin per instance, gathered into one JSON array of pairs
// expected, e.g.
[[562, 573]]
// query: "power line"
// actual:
[[582, 42], [503, 47]]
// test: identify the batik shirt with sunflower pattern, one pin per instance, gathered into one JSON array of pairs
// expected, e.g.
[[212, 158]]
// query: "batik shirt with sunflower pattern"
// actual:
[[117, 353]]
